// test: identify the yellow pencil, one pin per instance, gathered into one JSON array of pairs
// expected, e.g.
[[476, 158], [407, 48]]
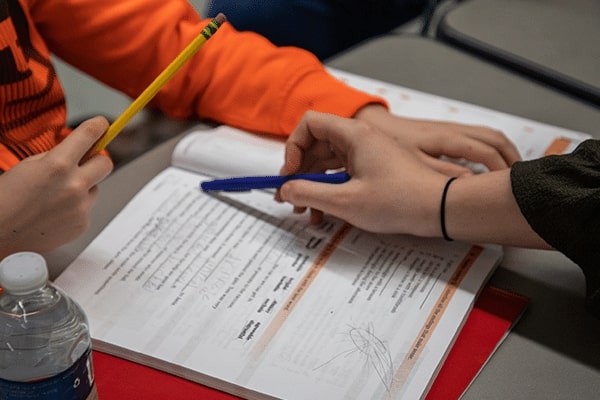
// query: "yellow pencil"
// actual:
[[143, 99]]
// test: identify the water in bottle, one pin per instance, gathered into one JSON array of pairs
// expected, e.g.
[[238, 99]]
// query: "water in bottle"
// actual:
[[45, 346]]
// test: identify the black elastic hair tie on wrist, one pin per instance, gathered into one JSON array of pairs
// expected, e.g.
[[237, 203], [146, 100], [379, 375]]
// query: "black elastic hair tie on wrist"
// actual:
[[443, 210]]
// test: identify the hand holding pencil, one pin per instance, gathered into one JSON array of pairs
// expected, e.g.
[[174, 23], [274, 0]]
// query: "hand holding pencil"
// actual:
[[140, 102]]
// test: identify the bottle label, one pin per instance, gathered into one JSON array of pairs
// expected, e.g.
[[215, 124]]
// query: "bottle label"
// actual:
[[76, 383]]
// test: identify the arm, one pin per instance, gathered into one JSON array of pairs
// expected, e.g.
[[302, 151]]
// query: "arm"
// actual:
[[482, 208], [237, 78], [46, 198], [560, 197]]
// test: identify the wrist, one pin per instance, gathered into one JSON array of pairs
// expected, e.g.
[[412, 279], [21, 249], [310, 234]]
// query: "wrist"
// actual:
[[481, 208], [464, 209], [424, 214]]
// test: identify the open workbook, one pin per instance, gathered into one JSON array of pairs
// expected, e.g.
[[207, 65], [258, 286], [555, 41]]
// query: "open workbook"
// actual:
[[238, 293]]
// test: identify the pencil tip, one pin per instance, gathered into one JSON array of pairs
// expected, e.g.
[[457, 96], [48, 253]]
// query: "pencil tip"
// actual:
[[220, 18]]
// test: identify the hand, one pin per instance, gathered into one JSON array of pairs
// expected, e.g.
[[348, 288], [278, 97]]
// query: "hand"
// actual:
[[392, 189], [46, 198], [432, 139]]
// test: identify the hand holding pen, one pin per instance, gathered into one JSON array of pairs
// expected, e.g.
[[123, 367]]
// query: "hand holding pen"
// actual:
[[391, 190]]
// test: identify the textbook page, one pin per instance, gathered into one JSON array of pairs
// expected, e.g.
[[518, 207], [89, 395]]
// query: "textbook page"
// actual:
[[240, 294], [225, 152]]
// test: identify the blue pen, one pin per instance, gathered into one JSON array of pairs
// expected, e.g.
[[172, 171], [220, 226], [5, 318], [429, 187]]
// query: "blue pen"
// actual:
[[243, 184]]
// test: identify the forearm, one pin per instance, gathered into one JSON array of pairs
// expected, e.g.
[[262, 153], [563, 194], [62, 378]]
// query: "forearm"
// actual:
[[482, 208], [238, 78]]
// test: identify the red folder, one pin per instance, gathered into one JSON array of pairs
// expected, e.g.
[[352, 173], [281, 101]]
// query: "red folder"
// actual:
[[492, 317], [494, 314]]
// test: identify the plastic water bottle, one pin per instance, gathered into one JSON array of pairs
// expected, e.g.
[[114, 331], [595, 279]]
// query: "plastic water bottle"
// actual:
[[45, 345]]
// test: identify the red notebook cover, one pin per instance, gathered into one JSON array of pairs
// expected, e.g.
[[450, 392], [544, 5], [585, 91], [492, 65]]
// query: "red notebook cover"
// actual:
[[493, 315]]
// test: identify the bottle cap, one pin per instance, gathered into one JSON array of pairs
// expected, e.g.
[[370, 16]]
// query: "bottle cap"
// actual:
[[23, 273]]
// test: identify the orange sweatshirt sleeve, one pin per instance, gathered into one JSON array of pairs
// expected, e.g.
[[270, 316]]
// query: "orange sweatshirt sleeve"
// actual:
[[237, 78]]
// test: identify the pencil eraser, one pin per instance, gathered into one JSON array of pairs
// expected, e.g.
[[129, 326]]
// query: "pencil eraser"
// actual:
[[220, 18]]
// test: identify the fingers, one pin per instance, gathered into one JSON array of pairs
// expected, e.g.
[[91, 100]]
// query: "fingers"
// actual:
[[299, 142], [96, 169], [79, 142], [446, 167], [483, 145], [475, 151], [319, 157], [499, 142], [456, 140], [317, 196], [479, 145], [316, 216], [318, 142]]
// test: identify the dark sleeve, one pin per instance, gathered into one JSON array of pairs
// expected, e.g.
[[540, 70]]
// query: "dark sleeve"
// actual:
[[560, 198]]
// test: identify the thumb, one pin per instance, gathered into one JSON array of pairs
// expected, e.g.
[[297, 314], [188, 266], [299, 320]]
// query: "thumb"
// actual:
[[321, 196]]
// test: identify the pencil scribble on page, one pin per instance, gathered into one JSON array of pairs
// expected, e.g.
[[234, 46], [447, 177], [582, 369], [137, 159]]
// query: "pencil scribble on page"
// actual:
[[374, 352]]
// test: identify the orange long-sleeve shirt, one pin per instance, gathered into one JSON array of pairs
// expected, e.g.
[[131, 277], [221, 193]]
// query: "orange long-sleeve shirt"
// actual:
[[237, 78]]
